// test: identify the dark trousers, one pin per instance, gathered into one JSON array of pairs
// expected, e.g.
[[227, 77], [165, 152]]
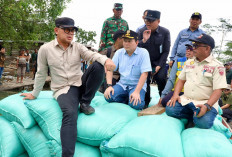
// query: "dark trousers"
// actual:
[[227, 113], [160, 78], [69, 103], [168, 97]]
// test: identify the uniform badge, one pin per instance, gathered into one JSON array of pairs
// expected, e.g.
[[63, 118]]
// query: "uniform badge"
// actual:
[[192, 62], [221, 70]]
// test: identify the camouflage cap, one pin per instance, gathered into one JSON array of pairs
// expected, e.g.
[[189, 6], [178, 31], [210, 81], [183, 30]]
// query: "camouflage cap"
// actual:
[[118, 6]]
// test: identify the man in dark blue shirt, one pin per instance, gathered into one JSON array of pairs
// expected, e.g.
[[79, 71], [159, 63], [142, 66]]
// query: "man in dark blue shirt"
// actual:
[[156, 40]]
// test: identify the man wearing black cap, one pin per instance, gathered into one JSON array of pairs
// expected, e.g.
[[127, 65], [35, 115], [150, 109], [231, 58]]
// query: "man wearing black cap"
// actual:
[[110, 26], [133, 64], [109, 52], [203, 79], [69, 84], [183, 37], [156, 40]]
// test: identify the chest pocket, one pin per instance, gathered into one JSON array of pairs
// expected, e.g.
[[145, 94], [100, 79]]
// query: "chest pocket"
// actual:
[[136, 71], [184, 37], [206, 79]]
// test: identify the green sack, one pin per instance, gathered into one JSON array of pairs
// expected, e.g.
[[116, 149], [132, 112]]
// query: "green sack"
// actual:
[[33, 140], [13, 109], [10, 145], [48, 115], [81, 150], [107, 120], [205, 143], [147, 136], [23, 155]]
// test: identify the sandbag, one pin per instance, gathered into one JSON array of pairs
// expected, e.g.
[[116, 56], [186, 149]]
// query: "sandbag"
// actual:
[[154, 95], [81, 150], [48, 115], [205, 143], [23, 155], [146, 136], [10, 145], [13, 109], [33, 140], [107, 120]]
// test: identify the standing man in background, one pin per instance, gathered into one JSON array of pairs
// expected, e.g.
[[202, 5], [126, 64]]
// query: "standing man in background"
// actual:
[[156, 40], [2, 60], [183, 37], [111, 25]]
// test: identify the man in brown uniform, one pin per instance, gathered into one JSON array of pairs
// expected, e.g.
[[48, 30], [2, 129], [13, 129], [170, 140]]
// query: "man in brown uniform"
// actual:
[[203, 79]]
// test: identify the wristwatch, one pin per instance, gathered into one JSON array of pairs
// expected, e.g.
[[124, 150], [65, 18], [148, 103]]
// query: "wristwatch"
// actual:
[[108, 85], [208, 107]]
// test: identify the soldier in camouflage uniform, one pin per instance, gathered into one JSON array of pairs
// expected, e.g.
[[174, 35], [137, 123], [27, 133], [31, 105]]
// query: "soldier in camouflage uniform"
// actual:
[[111, 25]]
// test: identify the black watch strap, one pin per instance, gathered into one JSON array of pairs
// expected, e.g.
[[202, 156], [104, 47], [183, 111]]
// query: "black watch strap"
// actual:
[[208, 107], [108, 85]]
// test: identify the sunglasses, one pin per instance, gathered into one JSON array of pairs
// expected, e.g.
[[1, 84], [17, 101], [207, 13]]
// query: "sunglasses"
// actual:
[[68, 30], [195, 46], [189, 48], [226, 90], [149, 20]]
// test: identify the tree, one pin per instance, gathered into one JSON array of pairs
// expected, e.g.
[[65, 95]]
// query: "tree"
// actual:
[[224, 28], [29, 20], [86, 37]]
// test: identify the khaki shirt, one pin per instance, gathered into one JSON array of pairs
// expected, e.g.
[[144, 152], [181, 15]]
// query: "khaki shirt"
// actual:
[[64, 65], [202, 78]]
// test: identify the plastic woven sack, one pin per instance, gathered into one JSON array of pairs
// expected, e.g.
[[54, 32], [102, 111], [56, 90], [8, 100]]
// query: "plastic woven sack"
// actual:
[[147, 136], [10, 145], [33, 140], [107, 120], [205, 143]]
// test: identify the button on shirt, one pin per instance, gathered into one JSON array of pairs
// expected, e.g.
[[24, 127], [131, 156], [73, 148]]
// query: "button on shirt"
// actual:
[[179, 49], [64, 65], [158, 45], [131, 67], [202, 78]]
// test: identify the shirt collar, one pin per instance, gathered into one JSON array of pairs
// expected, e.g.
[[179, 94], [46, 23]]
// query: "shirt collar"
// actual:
[[157, 29], [57, 44], [208, 59], [135, 52], [114, 18], [193, 31]]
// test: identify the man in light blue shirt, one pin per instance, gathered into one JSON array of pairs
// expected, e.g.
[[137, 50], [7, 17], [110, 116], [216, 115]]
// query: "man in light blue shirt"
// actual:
[[133, 64], [183, 37]]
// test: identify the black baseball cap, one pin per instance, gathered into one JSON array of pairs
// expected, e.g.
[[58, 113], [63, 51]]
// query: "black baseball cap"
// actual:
[[205, 39], [65, 22], [153, 15], [130, 35], [197, 15], [118, 34]]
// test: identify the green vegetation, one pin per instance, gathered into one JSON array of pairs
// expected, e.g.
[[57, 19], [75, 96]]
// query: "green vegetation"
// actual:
[[223, 50]]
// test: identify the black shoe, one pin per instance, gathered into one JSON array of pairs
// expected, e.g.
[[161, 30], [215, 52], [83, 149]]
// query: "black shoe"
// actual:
[[86, 109], [190, 124]]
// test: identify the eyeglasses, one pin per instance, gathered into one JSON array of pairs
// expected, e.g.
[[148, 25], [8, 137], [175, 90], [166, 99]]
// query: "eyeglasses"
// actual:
[[226, 90], [68, 30], [149, 20], [195, 46], [189, 48]]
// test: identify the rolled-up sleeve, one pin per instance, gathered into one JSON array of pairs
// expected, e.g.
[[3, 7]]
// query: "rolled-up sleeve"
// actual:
[[41, 73]]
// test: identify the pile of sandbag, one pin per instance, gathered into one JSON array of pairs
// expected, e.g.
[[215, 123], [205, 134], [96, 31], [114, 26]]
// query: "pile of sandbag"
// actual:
[[32, 128]]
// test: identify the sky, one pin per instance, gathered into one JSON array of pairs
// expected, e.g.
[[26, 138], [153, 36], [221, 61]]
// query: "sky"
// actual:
[[175, 14]]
